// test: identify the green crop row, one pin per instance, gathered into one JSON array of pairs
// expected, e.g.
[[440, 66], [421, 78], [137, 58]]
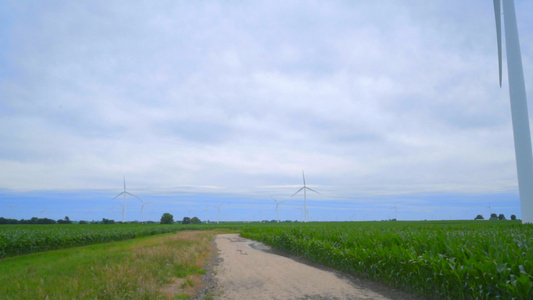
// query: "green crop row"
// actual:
[[25, 239], [440, 261]]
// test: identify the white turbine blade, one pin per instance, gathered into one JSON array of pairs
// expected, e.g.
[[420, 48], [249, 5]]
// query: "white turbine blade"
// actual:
[[312, 190], [118, 195], [297, 191], [124, 177], [497, 14], [303, 175], [133, 195]]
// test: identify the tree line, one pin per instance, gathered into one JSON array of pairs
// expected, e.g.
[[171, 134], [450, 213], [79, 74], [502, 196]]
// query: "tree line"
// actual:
[[494, 216]]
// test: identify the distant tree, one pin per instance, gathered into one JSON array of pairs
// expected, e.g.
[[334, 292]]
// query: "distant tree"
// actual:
[[186, 220], [45, 221], [167, 218], [493, 216], [83, 222], [195, 220], [107, 221], [65, 221], [513, 217], [479, 217], [501, 217]]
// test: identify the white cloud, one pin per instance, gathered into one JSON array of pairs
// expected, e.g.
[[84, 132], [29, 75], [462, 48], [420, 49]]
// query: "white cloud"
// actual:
[[368, 97]]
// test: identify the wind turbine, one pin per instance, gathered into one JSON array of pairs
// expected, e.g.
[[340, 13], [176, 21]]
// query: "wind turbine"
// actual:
[[517, 95], [12, 207], [218, 212], [301, 212], [124, 193], [304, 188], [206, 214], [142, 209], [277, 206]]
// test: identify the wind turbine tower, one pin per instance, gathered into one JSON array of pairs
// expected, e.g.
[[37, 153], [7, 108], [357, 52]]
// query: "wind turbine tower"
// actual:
[[218, 212], [304, 188], [124, 193], [142, 210], [517, 95], [277, 206]]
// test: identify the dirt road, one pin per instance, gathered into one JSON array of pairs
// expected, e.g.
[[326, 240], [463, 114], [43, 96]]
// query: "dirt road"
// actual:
[[246, 270]]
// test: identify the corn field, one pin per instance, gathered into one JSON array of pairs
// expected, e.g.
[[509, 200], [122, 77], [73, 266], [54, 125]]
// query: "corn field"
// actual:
[[462, 260], [25, 239]]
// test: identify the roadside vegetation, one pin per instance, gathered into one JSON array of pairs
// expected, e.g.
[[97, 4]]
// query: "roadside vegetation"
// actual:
[[25, 239], [439, 260], [166, 266]]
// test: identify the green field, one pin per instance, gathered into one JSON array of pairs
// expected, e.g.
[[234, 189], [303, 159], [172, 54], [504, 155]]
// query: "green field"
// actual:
[[439, 260], [433, 259], [25, 239]]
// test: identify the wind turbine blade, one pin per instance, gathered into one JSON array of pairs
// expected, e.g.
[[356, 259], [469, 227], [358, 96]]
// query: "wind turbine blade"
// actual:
[[312, 190], [303, 175], [497, 14], [124, 177], [118, 195], [133, 195], [297, 191]]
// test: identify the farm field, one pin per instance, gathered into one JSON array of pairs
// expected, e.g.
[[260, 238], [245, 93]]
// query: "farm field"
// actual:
[[24, 239], [433, 259], [166, 266], [439, 260]]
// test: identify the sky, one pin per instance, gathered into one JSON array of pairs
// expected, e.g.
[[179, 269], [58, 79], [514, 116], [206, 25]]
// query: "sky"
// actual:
[[391, 108]]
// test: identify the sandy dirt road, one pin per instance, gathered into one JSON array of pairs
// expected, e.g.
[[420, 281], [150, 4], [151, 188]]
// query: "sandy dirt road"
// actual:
[[246, 270]]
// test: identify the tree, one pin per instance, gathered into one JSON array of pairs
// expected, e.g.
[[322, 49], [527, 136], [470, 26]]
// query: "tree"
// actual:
[[107, 221], [493, 216], [513, 217], [195, 220], [65, 221], [501, 217], [167, 218], [186, 220], [479, 217]]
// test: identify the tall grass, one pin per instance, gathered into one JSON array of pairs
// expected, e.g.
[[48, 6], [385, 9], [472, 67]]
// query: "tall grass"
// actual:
[[142, 268], [25, 239]]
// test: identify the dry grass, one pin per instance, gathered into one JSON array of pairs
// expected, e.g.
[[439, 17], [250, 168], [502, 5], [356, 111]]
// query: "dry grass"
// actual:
[[161, 267]]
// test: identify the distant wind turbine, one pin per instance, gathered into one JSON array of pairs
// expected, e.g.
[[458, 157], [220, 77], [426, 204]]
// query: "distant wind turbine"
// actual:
[[304, 188], [43, 212], [142, 209], [12, 207], [519, 113], [277, 206], [206, 215], [218, 212], [301, 212], [124, 193]]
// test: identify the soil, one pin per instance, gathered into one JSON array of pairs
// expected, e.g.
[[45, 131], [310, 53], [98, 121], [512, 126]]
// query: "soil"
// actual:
[[246, 269]]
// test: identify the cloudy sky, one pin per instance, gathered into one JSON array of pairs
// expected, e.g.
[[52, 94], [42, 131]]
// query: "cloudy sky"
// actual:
[[383, 104]]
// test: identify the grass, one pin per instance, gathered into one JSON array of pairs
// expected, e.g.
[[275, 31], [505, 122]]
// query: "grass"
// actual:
[[155, 267]]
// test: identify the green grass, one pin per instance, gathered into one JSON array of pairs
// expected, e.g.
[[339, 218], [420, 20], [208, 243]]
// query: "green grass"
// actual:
[[133, 269], [441, 260], [24, 239]]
